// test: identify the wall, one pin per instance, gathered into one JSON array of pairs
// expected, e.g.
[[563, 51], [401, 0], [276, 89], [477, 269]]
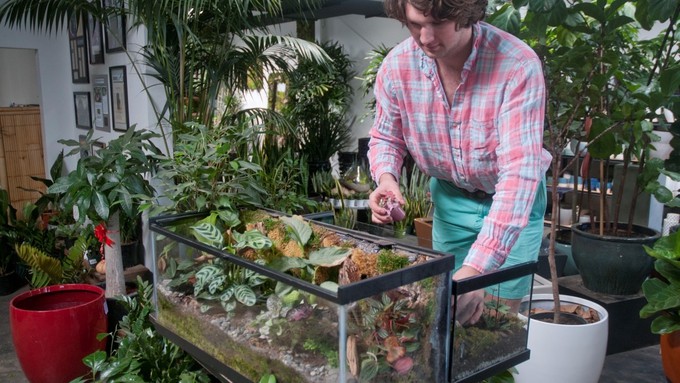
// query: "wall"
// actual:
[[18, 77], [55, 89], [53, 83], [359, 35]]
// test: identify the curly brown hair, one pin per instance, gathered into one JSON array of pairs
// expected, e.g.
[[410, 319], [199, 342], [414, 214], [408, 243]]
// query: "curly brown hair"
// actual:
[[463, 12]]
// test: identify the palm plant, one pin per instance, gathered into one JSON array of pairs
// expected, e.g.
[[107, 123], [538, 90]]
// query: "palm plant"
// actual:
[[375, 58], [318, 101], [198, 51]]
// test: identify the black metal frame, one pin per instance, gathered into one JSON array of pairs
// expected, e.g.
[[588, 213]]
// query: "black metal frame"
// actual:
[[439, 263]]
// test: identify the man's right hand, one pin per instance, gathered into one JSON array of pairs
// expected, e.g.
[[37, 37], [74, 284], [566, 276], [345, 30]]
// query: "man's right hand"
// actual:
[[387, 186]]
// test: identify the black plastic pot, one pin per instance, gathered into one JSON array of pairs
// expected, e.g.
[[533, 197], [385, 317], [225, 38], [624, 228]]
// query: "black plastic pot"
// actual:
[[10, 283], [131, 254], [613, 265]]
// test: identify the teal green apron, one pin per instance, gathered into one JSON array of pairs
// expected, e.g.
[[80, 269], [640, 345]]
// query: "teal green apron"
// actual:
[[458, 219]]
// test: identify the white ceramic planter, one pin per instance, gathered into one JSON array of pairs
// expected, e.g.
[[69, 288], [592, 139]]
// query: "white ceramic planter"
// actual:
[[563, 353]]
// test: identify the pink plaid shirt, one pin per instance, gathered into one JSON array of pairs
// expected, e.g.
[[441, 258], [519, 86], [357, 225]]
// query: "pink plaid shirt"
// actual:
[[489, 137]]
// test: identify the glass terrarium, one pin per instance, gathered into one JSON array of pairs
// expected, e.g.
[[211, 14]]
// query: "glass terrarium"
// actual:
[[498, 340], [304, 301]]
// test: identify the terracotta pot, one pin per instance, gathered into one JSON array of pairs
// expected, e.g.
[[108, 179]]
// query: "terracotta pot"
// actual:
[[54, 328], [423, 227], [670, 355]]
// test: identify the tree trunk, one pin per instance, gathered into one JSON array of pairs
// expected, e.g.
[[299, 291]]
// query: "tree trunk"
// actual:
[[115, 279]]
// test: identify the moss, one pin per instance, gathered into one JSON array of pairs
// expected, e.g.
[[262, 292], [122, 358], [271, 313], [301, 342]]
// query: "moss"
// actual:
[[388, 261], [216, 343], [249, 216]]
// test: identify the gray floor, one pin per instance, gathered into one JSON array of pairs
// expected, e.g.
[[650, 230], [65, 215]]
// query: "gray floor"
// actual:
[[637, 366]]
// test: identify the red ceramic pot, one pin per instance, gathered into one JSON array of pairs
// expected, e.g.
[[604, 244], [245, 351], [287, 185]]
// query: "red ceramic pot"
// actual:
[[670, 355], [54, 328]]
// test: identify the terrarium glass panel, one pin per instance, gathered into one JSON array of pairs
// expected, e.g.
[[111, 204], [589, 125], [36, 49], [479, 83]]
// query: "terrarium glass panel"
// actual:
[[498, 340], [306, 302]]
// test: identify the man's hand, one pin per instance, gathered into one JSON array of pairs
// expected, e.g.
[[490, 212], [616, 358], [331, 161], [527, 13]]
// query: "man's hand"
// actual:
[[470, 305], [388, 186]]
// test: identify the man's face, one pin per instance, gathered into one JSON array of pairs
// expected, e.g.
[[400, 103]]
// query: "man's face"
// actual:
[[437, 39]]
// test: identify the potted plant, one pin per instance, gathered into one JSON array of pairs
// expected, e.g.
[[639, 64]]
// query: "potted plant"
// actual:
[[60, 311], [548, 28], [662, 292], [109, 184], [130, 232], [611, 106], [622, 112], [48, 203]]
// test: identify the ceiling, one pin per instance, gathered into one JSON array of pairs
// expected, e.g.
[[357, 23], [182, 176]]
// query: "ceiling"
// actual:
[[335, 8]]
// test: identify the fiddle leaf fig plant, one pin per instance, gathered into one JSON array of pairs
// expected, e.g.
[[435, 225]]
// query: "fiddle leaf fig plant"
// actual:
[[105, 185]]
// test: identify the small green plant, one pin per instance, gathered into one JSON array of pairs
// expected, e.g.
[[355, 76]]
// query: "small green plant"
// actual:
[[328, 351], [228, 284], [46, 270], [323, 183], [344, 216], [496, 314], [142, 354]]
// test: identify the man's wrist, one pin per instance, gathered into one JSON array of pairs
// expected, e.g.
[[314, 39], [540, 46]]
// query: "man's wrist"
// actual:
[[387, 177]]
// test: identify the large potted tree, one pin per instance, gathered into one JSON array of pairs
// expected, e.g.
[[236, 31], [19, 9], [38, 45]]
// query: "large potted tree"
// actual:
[[106, 185], [632, 81], [573, 41], [548, 29]]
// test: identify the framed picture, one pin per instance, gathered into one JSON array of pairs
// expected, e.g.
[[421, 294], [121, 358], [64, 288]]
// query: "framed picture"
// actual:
[[119, 103], [78, 48], [102, 116], [81, 102], [95, 40], [115, 30]]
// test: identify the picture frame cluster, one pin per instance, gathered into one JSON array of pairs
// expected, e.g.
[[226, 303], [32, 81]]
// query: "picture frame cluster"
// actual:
[[103, 105]]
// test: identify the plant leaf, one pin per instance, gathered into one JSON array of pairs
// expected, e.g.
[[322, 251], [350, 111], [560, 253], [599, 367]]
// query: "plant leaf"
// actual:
[[245, 295], [299, 229], [209, 234], [253, 239], [329, 256]]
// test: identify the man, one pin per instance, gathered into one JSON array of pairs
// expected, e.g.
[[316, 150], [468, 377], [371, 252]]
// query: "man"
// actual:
[[466, 100]]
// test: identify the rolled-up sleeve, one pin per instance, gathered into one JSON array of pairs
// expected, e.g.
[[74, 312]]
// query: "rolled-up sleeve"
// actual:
[[387, 147]]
